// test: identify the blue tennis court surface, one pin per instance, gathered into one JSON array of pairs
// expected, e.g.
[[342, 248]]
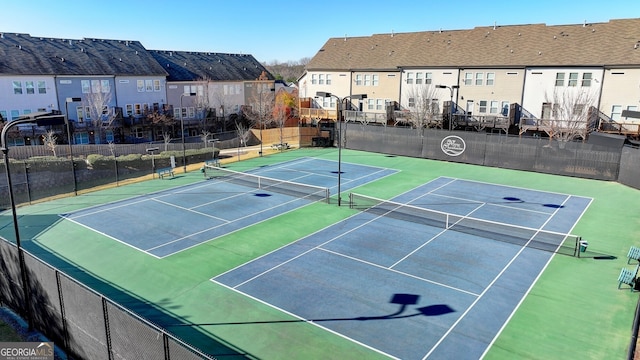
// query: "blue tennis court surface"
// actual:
[[406, 289], [170, 221]]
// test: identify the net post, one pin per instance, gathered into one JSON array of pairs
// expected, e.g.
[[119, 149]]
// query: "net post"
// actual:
[[350, 200]]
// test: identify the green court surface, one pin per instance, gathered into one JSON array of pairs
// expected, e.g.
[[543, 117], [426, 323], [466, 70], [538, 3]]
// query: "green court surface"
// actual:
[[574, 310]]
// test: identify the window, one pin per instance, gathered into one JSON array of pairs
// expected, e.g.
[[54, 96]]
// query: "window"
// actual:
[[86, 86], [419, 78], [137, 109], [328, 79], [105, 87], [87, 113], [314, 79], [148, 85], [376, 80], [559, 79], [631, 108], [370, 104], [409, 78], [138, 133], [491, 77], [483, 106], [140, 85], [359, 80], [156, 85], [428, 78], [504, 108], [176, 113], [367, 80], [616, 112], [586, 79], [321, 79], [105, 110], [493, 108], [573, 79], [81, 137], [128, 110], [80, 114], [555, 111], [326, 102], [17, 87], [412, 102], [30, 87], [468, 78], [15, 114], [42, 87], [109, 135], [479, 78], [379, 104], [95, 86], [3, 114]]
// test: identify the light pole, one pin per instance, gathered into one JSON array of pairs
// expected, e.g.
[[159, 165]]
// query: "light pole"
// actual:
[[39, 121], [340, 119], [184, 153], [451, 103], [66, 120]]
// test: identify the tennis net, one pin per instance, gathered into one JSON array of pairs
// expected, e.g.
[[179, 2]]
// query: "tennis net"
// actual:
[[556, 242], [311, 192]]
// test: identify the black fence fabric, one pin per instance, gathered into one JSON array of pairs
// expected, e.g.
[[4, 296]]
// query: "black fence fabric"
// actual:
[[79, 320], [577, 159], [630, 167]]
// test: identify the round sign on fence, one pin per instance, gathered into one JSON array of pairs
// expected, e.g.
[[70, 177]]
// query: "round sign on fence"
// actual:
[[453, 145]]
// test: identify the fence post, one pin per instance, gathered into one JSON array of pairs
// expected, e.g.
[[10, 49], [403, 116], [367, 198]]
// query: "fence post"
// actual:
[[105, 314]]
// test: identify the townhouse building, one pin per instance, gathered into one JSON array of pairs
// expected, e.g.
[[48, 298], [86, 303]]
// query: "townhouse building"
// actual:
[[207, 90], [522, 75], [117, 90]]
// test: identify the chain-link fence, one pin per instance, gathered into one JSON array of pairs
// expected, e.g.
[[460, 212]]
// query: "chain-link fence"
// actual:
[[579, 159], [84, 323]]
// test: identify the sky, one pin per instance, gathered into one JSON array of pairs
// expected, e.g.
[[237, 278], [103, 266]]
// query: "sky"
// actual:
[[283, 31]]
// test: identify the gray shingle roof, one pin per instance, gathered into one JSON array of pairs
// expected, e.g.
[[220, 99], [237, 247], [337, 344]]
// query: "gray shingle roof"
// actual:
[[22, 54], [193, 66], [615, 43]]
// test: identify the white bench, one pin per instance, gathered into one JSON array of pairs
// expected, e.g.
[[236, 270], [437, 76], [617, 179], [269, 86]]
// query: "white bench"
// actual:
[[165, 172], [282, 146], [627, 277], [634, 254]]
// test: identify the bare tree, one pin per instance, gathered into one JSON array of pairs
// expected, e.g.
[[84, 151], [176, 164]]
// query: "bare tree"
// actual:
[[260, 110], [243, 134], [566, 113], [423, 106], [97, 106], [166, 137], [51, 141]]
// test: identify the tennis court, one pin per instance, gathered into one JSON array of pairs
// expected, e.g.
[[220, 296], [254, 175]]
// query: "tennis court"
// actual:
[[319, 280], [170, 221], [444, 291]]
